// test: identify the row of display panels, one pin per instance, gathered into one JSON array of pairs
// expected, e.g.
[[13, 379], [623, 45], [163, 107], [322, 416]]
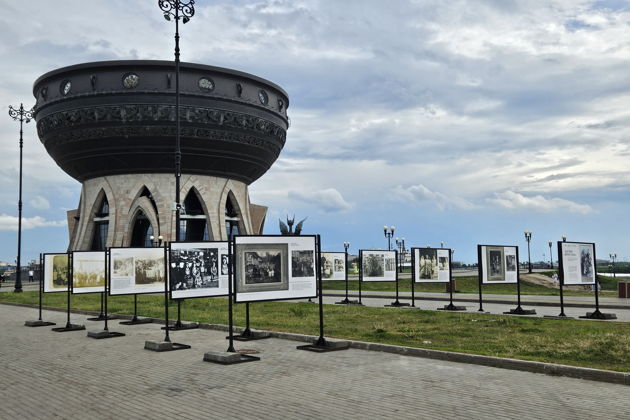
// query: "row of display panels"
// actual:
[[266, 268], [430, 265], [499, 263]]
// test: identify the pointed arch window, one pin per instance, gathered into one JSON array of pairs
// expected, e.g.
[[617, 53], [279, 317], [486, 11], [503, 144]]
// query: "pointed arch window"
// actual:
[[193, 225], [101, 226], [142, 231], [232, 218]]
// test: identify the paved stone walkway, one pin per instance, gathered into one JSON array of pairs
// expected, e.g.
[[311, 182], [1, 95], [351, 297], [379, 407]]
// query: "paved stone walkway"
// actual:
[[44, 375]]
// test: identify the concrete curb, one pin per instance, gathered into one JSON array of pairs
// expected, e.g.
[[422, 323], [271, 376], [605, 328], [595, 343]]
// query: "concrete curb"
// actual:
[[524, 302], [498, 362]]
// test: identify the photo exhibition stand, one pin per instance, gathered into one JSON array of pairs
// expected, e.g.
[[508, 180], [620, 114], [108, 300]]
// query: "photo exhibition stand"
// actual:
[[69, 326], [166, 344], [248, 334], [450, 306], [396, 303], [105, 332], [597, 314], [230, 356], [101, 315], [135, 320], [519, 310], [347, 301], [321, 345], [179, 325], [39, 322]]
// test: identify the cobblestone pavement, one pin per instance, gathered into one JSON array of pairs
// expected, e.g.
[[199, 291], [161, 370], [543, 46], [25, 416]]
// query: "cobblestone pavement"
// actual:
[[45, 374]]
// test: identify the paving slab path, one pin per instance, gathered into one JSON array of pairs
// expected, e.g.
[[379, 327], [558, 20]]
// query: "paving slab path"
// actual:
[[48, 375]]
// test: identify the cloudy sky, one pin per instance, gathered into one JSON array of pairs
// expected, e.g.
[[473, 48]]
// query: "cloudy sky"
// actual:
[[463, 121]]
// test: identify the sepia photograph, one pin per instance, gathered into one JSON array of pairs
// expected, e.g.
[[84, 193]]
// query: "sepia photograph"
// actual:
[[328, 265], [60, 271], [88, 272], [443, 263], [262, 267], [340, 265], [302, 263], [494, 264], [196, 268], [428, 264], [373, 265], [225, 262], [390, 264], [123, 267], [149, 270]]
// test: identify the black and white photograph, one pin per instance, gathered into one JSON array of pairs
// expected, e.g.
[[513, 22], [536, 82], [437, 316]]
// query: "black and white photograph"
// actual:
[[225, 262], [333, 266], [586, 263], [149, 270], [494, 264], [428, 264], [373, 265], [274, 267], [390, 264], [55, 273], [510, 262], [88, 272], [194, 268], [302, 264], [123, 267], [340, 265], [431, 265], [442, 263]]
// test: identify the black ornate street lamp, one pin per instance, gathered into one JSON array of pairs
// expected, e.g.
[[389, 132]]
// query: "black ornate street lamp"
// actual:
[[528, 238], [184, 10], [389, 232], [157, 242], [613, 257], [550, 255], [400, 243], [23, 116]]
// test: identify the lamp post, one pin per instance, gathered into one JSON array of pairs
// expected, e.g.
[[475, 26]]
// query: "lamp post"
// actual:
[[389, 232], [613, 257], [400, 243], [184, 10], [550, 255], [22, 115], [157, 242], [528, 238], [564, 239]]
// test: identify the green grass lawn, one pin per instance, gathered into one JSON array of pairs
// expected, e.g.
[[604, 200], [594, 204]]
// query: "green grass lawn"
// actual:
[[469, 285], [604, 345]]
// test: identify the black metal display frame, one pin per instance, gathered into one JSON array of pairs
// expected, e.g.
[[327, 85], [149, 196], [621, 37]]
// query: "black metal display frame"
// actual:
[[135, 320], [346, 300], [106, 333], [69, 326], [596, 314], [518, 310], [39, 322], [269, 300], [451, 306], [321, 345], [397, 303], [101, 315]]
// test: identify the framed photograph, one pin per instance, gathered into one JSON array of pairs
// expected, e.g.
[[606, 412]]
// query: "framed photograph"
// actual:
[[378, 265], [499, 263], [333, 265], [136, 271], [431, 265], [88, 272], [198, 269], [274, 267], [56, 273], [577, 262]]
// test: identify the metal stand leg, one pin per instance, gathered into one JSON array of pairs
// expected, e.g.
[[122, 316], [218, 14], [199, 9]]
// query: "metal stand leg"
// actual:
[[135, 320], [39, 322], [597, 314], [69, 326], [179, 325], [248, 334], [519, 310]]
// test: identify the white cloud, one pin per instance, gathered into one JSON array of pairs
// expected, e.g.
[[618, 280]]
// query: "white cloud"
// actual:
[[421, 194], [8, 222], [515, 201], [328, 200], [40, 203]]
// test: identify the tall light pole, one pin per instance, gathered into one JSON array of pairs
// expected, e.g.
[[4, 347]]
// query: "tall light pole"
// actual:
[[550, 255], [184, 10], [389, 232], [528, 238], [23, 116], [400, 243], [613, 257]]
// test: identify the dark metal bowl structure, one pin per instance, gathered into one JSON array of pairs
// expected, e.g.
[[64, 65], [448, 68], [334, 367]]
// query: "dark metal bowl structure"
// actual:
[[118, 117]]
